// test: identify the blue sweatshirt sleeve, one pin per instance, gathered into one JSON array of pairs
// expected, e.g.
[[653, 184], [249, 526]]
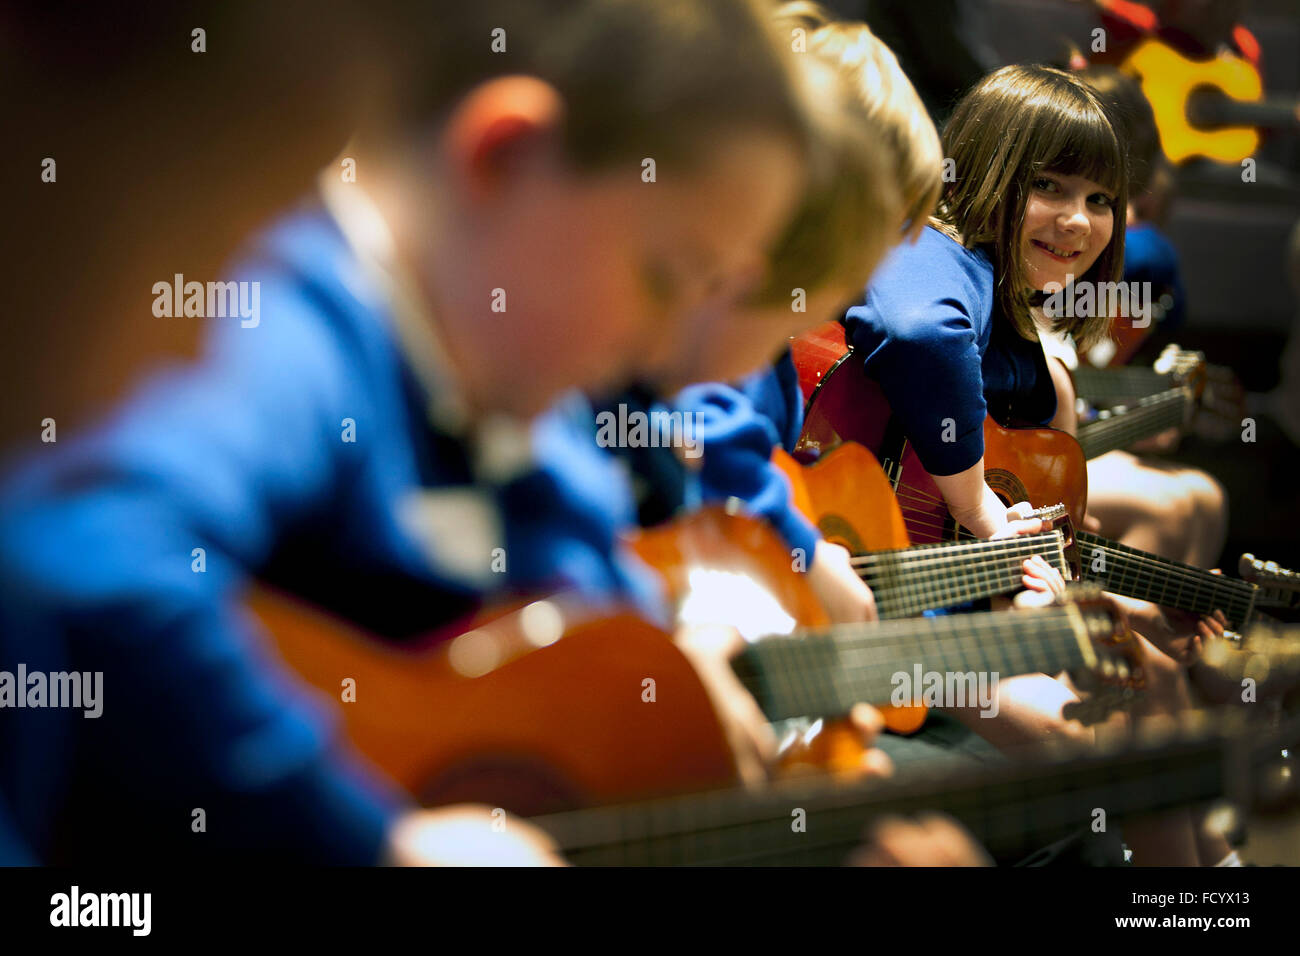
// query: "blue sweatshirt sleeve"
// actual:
[[568, 515], [1149, 256], [920, 331], [737, 438], [196, 712]]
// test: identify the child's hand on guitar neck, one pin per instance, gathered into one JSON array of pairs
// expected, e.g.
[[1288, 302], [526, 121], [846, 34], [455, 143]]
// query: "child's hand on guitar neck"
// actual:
[[1042, 583], [753, 744], [1014, 522], [468, 835], [842, 592], [1181, 635]]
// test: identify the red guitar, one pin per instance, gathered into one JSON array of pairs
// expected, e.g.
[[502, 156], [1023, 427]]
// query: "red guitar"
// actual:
[[1038, 465], [1043, 466]]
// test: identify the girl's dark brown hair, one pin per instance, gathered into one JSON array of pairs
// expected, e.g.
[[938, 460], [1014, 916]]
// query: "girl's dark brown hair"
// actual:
[[1134, 122], [1017, 123]]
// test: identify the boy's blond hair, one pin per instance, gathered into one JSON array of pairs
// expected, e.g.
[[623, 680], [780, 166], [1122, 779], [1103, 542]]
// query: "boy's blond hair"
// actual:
[[881, 161]]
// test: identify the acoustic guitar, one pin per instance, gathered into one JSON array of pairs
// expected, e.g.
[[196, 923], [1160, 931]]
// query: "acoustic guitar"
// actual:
[[846, 495], [1137, 401], [1211, 108], [1038, 465], [556, 705], [1011, 810], [1128, 384], [1043, 466], [1124, 425]]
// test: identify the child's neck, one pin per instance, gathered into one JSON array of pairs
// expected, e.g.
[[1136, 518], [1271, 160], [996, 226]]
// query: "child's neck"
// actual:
[[448, 344]]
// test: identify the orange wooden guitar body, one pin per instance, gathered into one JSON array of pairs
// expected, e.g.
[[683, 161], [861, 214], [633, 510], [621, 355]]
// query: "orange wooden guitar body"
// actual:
[[490, 716], [1039, 465], [850, 500], [711, 540], [542, 708]]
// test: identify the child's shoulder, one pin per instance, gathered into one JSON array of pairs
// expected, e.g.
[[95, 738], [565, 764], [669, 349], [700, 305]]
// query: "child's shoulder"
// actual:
[[934, 268], [933, 257]]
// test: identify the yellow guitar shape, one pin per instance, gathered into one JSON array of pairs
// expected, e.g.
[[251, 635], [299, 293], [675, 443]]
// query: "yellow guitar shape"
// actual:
[[1169, 80]]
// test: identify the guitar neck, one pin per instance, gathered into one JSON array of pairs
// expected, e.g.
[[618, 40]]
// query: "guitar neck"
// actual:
[[1106, 387], [1115, 430], [1148, 577], [1012, 810], [907, 581], [825, 673]]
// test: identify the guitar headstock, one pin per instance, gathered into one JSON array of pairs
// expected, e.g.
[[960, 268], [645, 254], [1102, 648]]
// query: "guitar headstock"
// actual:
[[1185, 367], [1052, 514], [1116, 670], [1057, 518], [1278, 586], [1267, 574]]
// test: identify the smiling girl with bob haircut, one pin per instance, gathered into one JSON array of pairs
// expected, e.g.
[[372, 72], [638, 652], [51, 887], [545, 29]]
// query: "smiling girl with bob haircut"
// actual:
[[949, 325]]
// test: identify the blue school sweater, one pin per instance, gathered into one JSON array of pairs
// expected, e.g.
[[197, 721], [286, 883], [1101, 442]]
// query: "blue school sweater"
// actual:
[[739, 426], [927, 330], [244, 457], [1149, 256]]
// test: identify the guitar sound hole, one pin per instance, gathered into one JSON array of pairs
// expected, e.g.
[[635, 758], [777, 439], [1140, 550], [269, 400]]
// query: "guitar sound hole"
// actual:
[[836, 530], [1006, 486]]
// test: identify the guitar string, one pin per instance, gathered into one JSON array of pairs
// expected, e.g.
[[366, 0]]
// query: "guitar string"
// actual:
[[962, 549], [1202, 582], [1163, 571], [1098, 437], [834, 672], [896, 589], [1154, 561], [1168, 566], [717, 829], [953, 574]]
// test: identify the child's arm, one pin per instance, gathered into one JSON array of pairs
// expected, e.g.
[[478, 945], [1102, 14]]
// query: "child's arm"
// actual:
[[739, 429], [104, 531], [736, 438]]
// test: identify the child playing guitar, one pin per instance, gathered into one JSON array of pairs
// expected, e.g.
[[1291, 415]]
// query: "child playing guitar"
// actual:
[[949, 325], [379, 392]]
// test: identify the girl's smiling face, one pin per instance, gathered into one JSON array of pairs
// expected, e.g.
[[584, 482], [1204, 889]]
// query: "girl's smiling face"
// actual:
[[1069, 221]]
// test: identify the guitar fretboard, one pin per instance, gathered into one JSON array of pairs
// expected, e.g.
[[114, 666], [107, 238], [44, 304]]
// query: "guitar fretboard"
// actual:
[[1148, 577], [1126, 385], [825, 673], [908, 581], [1011, 810], [1153, 415]]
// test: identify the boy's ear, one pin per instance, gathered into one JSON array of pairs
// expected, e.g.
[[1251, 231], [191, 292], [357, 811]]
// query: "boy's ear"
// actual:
[[498, 125]]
